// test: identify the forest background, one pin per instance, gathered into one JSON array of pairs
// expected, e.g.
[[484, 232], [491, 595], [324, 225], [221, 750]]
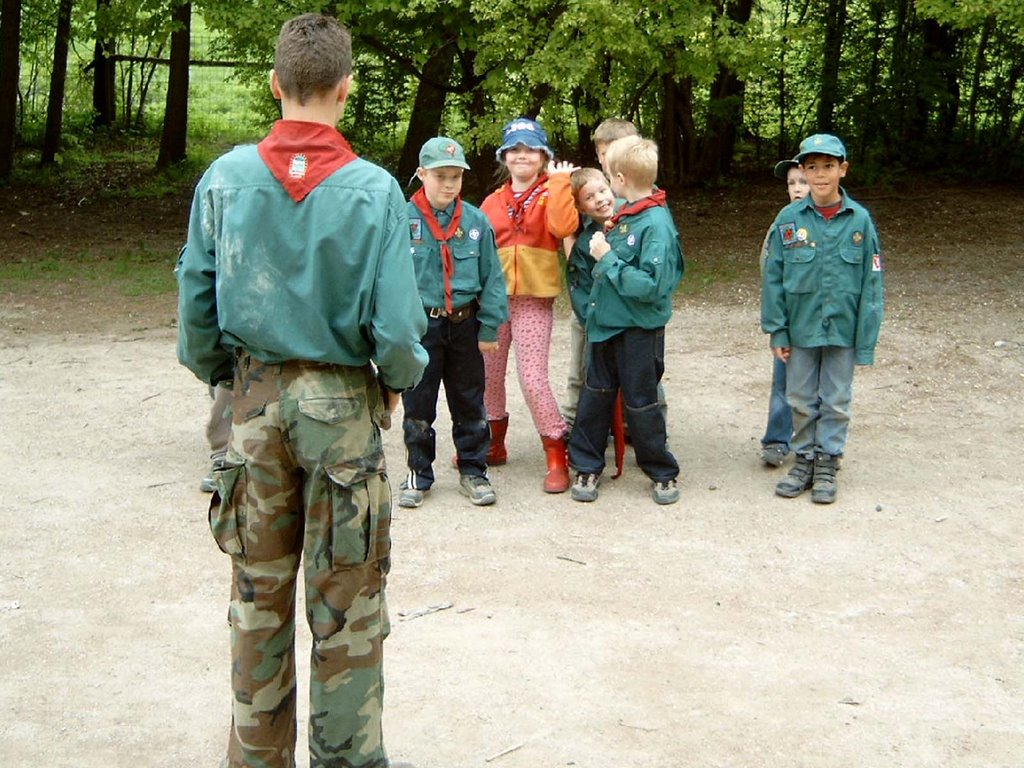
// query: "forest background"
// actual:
[[724, 86]]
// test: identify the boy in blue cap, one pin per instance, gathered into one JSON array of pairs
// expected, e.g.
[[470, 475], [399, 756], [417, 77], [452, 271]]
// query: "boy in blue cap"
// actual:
[[463, 292], [821, 301]]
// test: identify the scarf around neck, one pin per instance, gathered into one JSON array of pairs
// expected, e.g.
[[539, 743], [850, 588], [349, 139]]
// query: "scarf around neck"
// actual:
[[442, 236], [302, 154], [653, 200]]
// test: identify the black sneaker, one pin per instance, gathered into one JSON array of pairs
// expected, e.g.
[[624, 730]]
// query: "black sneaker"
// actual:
[[585, 487], [773, 454], [823, 490], [799, 479], [478, 489]]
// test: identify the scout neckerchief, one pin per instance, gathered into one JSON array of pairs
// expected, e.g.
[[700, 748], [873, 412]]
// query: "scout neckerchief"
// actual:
[[442, 236], [301, 154], [517, 203], [829, 211], [651, 201]]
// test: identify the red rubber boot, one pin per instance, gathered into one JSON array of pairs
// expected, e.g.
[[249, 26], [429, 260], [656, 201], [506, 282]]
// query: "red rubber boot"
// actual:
[[557, 478]]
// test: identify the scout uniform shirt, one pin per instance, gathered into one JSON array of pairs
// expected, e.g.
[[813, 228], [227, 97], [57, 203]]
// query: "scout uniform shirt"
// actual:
[[823, 279], [477, 274], [634, 282]]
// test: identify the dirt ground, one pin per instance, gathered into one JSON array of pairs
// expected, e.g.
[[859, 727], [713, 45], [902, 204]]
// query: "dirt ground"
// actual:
[[735, 628]]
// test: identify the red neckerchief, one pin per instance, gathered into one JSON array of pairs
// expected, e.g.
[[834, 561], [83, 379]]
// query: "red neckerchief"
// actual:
[[829, 211], [442, 236], [517, 204], [653, 200], [301, 154]]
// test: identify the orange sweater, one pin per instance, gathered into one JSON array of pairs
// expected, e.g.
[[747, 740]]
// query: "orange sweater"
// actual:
[[529, 252]]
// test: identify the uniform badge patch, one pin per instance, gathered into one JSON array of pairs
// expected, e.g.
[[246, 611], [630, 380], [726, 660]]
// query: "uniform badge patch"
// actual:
[[297, 167], [876, 263], [474, 234], [801, 234], [459, 233], [416, 229], [623, 228], [631, 240], [788, 233], [858, 238]]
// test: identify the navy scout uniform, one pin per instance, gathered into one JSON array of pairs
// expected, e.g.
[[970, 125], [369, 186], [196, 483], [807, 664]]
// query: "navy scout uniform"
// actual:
[[630, 303], [478, 305], [294, 277]]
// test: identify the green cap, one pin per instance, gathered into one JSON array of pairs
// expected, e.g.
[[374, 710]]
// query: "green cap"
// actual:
[[821, 144], [441, 152], [782, 168]]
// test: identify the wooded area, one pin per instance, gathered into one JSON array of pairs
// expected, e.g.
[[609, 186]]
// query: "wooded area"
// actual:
[[913, 85]]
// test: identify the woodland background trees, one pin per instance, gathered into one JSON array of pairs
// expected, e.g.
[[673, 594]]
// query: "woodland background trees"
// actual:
[[917, 85]]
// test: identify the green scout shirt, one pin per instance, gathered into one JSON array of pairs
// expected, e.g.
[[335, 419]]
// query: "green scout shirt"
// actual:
[[822, 282], [580, 269], [477, 275], [634, 282], [327, 279]]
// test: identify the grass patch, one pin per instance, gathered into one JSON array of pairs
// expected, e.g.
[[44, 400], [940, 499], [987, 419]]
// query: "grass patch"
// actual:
[[132, 273]]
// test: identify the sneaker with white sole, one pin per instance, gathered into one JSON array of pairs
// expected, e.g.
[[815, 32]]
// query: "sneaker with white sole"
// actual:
[[665, 491], [585, 487], [477, 489], [410, 497]]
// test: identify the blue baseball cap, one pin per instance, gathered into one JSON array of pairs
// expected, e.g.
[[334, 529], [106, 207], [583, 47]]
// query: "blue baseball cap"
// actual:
[[524, 131], [821, 144], [782, 168], [442, 152]]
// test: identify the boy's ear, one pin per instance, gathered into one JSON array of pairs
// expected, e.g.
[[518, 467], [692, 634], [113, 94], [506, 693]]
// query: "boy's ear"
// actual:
[[842, 168], [344, 88], [275, 87]]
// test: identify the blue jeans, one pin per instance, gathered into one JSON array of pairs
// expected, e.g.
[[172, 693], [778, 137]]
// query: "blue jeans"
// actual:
[[819, 386], [780, 416], [634, 362]]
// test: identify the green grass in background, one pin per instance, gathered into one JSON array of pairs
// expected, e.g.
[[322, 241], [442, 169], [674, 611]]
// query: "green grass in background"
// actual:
[[132, 272]]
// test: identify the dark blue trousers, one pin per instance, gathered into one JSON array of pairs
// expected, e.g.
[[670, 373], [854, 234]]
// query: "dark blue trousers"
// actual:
[[456, 361], [633, 361]]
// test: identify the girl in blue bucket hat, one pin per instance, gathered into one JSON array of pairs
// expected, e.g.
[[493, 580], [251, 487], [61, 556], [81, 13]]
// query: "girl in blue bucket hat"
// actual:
[[531, 212]]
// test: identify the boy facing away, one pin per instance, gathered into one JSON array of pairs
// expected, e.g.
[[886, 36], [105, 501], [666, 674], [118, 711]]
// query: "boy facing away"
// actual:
[[638, 265], [295, 276], [463, 291], [779, 429], [821, 301]]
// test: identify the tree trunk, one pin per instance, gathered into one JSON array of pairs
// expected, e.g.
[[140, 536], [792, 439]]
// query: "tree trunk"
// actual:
[[676, 131], [58, 77], [979, 68], [10, 46], [104, 70], [828, 95], [427, 110], [173, 138]]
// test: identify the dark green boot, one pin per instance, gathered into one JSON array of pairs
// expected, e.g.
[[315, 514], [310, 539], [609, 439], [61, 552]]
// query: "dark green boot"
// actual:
[[825, 468], [799, 478]]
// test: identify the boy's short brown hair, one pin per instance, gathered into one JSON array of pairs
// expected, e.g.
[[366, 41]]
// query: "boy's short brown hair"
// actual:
[[313, 55], [581, 177], [635, 158], [613, 128]]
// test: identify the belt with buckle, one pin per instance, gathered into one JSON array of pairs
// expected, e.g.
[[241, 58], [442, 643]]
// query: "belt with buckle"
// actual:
[[457, 315]]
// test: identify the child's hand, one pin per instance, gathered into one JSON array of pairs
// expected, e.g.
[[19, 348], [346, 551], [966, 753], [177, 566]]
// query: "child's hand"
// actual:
[[782, 353], [598, 246], [561, 166], [488, 346]]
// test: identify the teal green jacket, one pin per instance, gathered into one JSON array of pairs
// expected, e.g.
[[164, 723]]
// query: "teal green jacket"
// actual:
[[327, 279], [477, 275], [822, 283], [635, 281], [580, 271]]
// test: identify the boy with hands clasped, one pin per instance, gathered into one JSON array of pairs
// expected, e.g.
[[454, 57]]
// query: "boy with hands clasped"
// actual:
[[821, 301], [638, 265], [463, 291]]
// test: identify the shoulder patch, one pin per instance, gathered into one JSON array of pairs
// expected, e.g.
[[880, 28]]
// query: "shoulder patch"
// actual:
[[416, 229]]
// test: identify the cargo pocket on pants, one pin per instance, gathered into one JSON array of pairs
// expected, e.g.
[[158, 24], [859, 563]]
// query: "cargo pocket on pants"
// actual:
[[360, 500], [227, 509]]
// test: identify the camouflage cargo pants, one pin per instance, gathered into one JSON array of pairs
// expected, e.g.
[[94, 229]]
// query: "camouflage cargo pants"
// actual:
[[305, 482]]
